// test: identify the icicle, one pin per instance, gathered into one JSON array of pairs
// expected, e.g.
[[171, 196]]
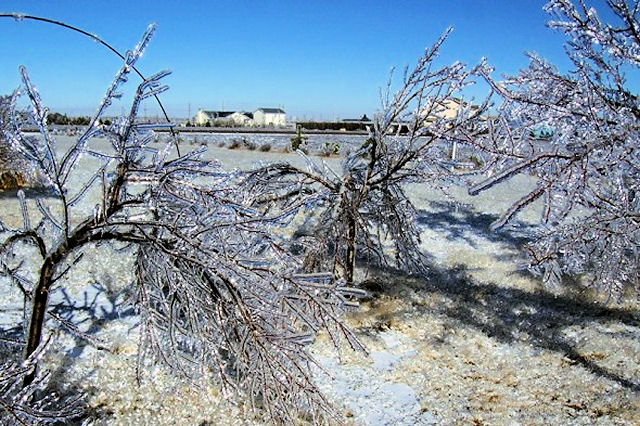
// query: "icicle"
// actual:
[[26, 222], [97, 214], [46, 213]]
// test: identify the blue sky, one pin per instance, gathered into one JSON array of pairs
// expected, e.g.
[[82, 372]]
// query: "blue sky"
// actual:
[[317, 59]]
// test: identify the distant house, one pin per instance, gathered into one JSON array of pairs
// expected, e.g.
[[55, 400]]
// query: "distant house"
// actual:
[[241, 118], [451, 108], [203, 117], [263, 117]]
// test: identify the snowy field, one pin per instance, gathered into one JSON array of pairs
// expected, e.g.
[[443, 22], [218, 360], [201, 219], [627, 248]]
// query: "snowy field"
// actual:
[[477, 341], [277, 141]]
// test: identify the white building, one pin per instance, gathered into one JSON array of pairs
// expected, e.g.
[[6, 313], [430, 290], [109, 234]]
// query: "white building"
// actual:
[[449, 109], [241, 118], [203, 117], [263, 117]]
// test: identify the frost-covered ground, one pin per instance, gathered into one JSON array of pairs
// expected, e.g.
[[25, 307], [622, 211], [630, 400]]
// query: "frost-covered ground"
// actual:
[[275, 141], [478, 340]]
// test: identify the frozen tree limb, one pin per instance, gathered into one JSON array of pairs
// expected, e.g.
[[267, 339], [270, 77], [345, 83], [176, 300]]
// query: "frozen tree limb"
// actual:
[[29, 405], [587, 165], [363, 208], [218, 290]]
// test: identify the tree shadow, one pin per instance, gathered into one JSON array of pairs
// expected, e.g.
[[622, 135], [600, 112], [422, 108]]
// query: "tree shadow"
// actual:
[[460, 222], [507, 314], [84, 317], [11, 342]]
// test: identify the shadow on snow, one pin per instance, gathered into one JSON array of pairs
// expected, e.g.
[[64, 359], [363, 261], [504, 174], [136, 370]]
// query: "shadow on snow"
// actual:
[[502, 313]]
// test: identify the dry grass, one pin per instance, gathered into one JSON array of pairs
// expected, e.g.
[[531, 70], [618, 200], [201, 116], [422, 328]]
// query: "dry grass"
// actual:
[[492, 355], [493, 346]]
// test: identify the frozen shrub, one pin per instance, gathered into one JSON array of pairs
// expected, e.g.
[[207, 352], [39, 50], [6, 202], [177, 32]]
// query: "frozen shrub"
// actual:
[[329, 148], [35, 403], [248, 144], [265, 147], [586, 166], [216, 288], [299, 140], [363, 208]]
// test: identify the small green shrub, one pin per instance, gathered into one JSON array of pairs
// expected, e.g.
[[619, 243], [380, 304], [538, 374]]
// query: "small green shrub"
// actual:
[[330, 148], [299, 139], [476, 162]]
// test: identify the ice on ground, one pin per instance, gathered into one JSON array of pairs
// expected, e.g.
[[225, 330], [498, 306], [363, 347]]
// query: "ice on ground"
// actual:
[[397, 349], [368, 395]]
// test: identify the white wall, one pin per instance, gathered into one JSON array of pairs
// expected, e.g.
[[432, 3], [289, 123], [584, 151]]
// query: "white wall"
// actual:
[[269, 119], [201, 118]]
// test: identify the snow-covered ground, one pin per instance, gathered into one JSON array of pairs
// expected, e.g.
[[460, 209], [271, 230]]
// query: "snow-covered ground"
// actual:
[[477, 341], [276, 141]]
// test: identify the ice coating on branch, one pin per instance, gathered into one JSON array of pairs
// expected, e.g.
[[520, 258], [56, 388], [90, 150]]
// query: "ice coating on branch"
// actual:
[[121, 78], [218, 287], [28, 404], [362, 209], [586, 159], [26, 222], [133, 56]]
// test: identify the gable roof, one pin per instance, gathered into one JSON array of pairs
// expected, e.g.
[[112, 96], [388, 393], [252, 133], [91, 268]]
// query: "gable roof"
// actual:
[[363, 119], [218, 114], [271, 110], [245, 113]]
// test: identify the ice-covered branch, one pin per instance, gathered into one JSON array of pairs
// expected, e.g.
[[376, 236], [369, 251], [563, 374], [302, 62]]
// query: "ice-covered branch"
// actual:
[[576, 134]]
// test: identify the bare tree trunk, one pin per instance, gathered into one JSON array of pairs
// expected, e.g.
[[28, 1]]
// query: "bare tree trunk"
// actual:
[[41, 292], [350, 256], [39, 311]]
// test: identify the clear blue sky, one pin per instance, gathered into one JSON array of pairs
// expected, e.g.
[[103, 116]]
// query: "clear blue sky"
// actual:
[[317, 59]]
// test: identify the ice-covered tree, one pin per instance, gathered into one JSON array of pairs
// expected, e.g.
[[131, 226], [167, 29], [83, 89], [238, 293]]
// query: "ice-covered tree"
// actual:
[[363, 209], [35, 403], [587, 166], [216, 289]]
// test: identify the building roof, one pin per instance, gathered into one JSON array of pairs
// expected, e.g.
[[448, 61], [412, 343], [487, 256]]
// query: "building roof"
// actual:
[[218, 114], [271, 110], [363, 119]]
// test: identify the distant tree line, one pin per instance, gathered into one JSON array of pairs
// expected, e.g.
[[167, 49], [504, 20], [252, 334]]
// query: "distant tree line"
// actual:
[[349, 126], [333, 125], [63, 119]]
